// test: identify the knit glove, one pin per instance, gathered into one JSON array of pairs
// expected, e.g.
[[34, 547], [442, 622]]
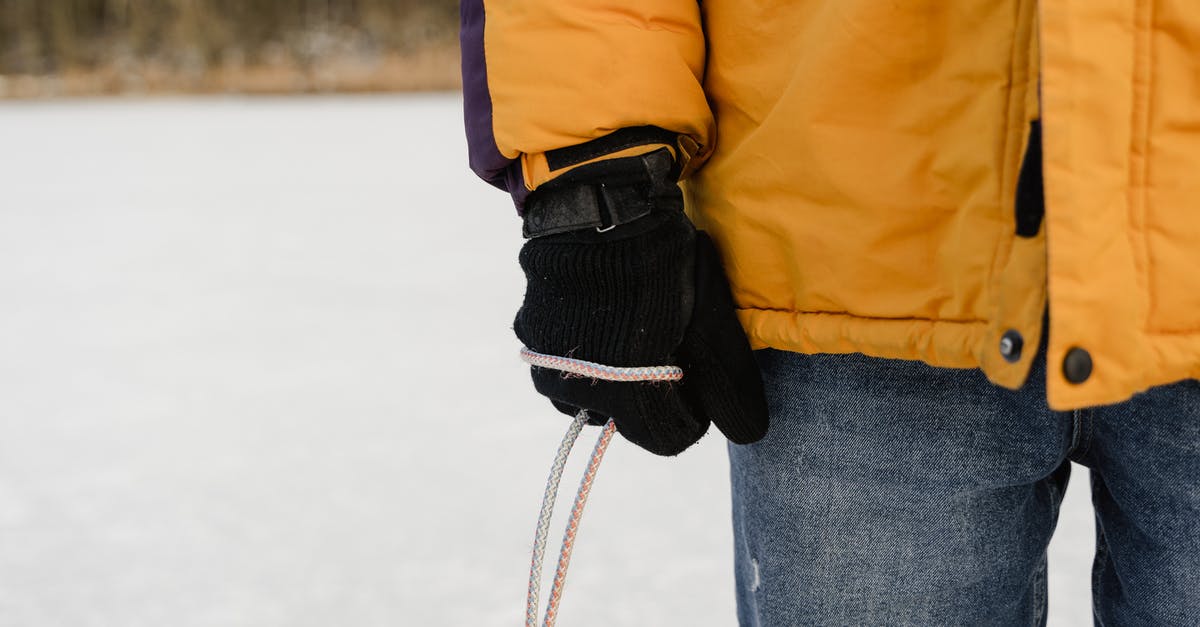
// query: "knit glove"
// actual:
[[648, 291]]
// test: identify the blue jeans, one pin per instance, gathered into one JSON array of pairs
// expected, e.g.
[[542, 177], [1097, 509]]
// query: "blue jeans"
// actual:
[[894, 493]]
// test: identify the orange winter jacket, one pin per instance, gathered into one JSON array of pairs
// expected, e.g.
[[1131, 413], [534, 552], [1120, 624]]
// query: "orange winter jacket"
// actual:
[[872, 171]]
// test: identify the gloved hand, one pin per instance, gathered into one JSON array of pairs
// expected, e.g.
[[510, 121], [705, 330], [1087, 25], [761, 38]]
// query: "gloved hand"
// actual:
[[648, 291]]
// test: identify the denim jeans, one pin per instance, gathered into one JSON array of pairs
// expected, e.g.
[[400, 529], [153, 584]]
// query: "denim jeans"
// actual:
[[894, 493]]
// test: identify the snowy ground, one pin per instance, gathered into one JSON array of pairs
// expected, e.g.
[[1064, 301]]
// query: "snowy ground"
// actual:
[[256, 370]]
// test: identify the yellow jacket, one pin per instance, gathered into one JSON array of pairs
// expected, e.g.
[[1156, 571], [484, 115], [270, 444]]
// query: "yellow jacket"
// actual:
[[872, 172]]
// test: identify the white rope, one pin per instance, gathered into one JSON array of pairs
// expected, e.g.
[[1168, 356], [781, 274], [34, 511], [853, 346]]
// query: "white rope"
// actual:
[[595, 371], [543, 523], [568, 543]]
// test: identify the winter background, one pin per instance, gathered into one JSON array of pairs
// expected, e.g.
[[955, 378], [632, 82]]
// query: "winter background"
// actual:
[[256, 369], [256, 363]]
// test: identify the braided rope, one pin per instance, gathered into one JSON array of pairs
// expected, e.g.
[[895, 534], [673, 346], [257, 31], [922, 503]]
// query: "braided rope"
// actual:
[[543, 524], [564, 555], [594, 370]]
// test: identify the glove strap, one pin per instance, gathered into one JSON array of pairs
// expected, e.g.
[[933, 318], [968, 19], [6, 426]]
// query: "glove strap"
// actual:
[[601, 196]]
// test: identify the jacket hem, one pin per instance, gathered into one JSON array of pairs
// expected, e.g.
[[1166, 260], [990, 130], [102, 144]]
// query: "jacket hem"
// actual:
[[941, 343]]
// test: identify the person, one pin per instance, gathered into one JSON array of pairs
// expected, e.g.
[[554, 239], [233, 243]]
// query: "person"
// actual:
[[962, 240]]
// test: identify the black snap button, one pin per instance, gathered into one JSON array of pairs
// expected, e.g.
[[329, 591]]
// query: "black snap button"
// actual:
[[1010, 346], [1077, 365]]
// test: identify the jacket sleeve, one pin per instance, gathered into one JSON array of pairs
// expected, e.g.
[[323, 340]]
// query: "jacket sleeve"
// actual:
[[553, 84]]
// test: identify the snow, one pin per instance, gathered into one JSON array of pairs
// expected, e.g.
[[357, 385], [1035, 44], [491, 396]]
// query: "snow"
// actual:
[[256, 369]]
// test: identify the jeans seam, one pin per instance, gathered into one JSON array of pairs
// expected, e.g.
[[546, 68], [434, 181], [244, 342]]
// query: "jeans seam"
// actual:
[[1041, 594], [1101, 561], [1075, 433], [1081, 436], [1089, 424], [1098, 575], [1039, 591]]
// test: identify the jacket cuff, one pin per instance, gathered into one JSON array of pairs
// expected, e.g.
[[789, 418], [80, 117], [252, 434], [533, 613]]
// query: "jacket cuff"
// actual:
[[530, 171]]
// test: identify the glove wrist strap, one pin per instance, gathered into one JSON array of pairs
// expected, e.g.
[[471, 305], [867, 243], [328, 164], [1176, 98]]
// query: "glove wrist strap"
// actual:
[[600, 196]]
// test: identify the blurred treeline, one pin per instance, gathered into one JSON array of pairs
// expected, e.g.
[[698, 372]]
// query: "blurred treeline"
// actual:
[[62, 47]]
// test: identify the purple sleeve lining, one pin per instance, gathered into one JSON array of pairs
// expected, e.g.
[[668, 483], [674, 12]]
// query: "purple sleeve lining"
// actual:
[[483, 154]]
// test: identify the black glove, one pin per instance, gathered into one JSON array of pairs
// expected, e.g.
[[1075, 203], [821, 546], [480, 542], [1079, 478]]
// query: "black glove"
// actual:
[[648, 291]]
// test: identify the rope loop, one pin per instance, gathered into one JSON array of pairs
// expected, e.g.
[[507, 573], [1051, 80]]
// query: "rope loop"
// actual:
[[547, 511], [596, 371]]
